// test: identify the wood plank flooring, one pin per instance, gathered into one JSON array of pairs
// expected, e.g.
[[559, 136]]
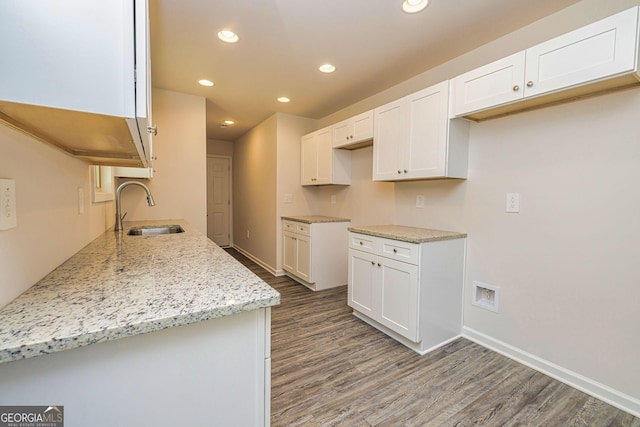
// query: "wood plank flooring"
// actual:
[[331, 369]]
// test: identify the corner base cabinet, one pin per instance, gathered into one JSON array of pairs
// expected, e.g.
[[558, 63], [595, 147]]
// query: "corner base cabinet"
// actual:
[[410, 291], [315, 251]]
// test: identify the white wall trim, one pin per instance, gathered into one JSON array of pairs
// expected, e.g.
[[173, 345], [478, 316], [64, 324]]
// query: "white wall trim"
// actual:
[[587, 385], [256, 260]]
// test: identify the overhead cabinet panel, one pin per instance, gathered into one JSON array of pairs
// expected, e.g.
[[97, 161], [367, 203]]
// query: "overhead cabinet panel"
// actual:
[[593, 59], [605, 48], [493, 84], [75, 74], [415, 139]]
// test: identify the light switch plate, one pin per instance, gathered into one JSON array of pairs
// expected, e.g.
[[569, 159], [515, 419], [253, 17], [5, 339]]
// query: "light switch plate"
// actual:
[[7, 204]]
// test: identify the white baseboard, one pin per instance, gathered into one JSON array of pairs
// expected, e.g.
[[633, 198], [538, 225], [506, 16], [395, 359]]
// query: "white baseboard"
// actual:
[[256, 260], [587, 385]]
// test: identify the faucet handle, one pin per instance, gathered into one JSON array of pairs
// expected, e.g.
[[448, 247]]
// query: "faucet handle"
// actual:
[[122, 217]]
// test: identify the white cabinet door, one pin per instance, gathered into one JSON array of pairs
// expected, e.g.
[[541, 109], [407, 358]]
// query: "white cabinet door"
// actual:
[[303, 256], [390, 130], [426, 146], [324, 153], [342, 133], [493, 84], [309, 163], [363, 283], [363, 127], [75, 55], [399, 297], [290, 251], [602, 49], [353, 130]]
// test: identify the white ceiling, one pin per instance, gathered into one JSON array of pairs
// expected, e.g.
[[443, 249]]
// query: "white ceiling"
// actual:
[[372, 43]]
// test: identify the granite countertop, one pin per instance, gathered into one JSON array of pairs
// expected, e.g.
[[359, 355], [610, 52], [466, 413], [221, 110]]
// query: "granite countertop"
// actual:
[[311, 219], [407, 234], [119, 286]]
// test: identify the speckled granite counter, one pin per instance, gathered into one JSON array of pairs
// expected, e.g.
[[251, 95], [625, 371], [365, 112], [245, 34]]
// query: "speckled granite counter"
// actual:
[[407, 234], [120, 285], [312, 219]]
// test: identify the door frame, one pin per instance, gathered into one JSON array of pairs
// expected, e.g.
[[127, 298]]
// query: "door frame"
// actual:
[[230, 158]]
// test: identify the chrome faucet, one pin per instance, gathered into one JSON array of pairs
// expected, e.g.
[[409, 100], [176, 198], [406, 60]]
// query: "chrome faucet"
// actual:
[[119, 217]]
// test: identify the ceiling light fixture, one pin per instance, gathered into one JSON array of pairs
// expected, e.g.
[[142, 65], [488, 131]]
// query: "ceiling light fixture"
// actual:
[[228, 36], [327, 68], [414, 6], [283, 99], [229, 122], [205, 82]]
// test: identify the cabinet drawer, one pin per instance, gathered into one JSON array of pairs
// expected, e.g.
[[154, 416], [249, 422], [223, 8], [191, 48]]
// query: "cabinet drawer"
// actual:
[[362, 242], [296, 227], [400, 251]]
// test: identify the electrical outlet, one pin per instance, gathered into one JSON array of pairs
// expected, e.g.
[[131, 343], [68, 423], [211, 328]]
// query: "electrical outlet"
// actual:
[[8, 216], [513, 202], [419, 201], [333, 199], [288, 198]]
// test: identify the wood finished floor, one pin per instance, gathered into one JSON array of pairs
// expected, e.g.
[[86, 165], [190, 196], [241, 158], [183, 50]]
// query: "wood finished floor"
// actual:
[[331, 369]]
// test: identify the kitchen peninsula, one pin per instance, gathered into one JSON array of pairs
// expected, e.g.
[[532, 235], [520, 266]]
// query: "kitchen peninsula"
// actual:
[[142, 330]]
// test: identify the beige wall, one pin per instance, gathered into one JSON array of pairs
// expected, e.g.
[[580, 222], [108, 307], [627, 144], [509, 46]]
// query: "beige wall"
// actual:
[[217, 147], [179, 184], [567, 265], [266, 166], [50, 229], [255, 192]]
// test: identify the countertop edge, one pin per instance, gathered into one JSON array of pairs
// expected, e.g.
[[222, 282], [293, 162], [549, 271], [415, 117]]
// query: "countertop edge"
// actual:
[[55, 345], [314, 219], [450, 236]]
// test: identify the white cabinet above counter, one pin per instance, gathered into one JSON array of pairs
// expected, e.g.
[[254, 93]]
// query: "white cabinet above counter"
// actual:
[[320, 163], [596, 58], [355, 132], [76, 75], [415, 139]]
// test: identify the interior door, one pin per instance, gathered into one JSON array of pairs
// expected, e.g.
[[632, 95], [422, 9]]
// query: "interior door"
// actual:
[[219, 200]]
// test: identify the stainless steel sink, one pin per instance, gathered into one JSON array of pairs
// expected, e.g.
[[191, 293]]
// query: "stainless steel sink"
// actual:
[[154, 230]]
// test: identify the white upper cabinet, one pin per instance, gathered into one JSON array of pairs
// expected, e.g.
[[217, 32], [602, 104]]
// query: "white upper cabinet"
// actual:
[[415, 139], [598, 57], [76, 74], [354, 131], [320, 163], [493, 84]]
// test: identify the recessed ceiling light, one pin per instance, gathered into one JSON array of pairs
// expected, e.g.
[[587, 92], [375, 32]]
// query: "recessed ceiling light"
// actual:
[[229, 122], [283, 99], [228, 36], [327, 68], [414, 6], [204, 82]]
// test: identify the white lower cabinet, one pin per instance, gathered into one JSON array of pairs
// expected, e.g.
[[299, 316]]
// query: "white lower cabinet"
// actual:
[[315, 254], [217, 370], [412, 292]]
